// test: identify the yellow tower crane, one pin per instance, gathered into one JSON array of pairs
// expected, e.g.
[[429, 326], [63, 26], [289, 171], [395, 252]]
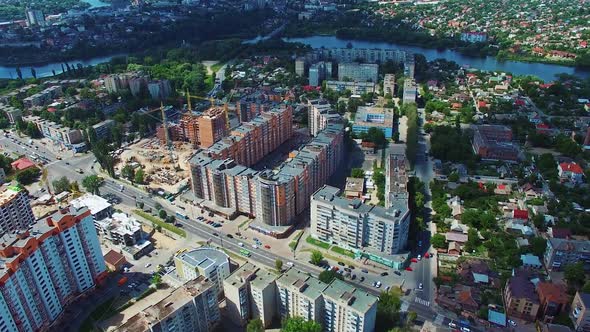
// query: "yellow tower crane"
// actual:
[[213, 102]]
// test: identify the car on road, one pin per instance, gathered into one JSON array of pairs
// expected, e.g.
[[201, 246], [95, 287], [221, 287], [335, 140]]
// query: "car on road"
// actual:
[[230, 236], [398, 273], [409, 269], [465, 329], [419, 257], [452, 325], [347, 269], [290, 264], [378, 284], [240, 244], [384, 274], [414, 260], [215, 234], [351, 267], [426, 255], [341, 264], [420, 286], [419, 243], [353, 276], [148, 265], [364, 271], [254, 246], [512, 323], [361, 279], [266, 246]]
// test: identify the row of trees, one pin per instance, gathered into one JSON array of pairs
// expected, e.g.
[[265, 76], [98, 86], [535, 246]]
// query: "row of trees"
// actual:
[[412, 132]]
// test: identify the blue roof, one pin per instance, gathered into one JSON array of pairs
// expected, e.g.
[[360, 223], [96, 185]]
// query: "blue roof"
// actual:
[[530, 260], [481, 278], [498, 318]]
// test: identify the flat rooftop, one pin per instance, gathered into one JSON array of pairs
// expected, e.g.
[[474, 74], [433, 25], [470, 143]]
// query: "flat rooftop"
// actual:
[[93, 202], [203, 257], [349, 296]]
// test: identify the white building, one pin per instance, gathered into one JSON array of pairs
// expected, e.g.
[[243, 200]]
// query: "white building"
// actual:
[[211, 263], [347, 309], [189, 308], [120, 229], [355, 71], [99, 207], [45, 268], [320, 114], [15, 209]]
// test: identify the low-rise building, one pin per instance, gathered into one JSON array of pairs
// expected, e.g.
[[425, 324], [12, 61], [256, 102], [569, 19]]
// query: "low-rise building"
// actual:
[[410, 91], [571, 172], [520, 297], [553, 298], [374, 117], [561, 252], [494, 142], [120, 229], [354, 188], [580, 312], [99, 207]]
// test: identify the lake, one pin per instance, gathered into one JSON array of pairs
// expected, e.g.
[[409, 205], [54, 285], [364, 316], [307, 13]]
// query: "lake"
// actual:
[[96, 3], [544, 71]]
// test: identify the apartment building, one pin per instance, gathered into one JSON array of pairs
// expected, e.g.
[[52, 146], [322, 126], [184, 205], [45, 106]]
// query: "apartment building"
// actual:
[[410, 91], [396, 179], [159, 89], [208, 262], [319, 115], [212, 126], [249, 294], [561, 252], [189, 308], [580, 312], [374, 117], [45, 267], [363, 54], [15, 209], [13, 114], [520, 297], [300, 66], [389, 84], [65, 136], [553, 299], [44, 97], [276, 196], [300, 295], [355, 71], [318, 72], [355, 88], [348, 309], [357, 226], [494, 142], [102, 129]]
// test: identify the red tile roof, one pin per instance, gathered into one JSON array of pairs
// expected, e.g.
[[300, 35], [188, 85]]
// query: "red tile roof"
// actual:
[[113, 258], [22, 163], [520, 214], [571, 167], [550, 292]]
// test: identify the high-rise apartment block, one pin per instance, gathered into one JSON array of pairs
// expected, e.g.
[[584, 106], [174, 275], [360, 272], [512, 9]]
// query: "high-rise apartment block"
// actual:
[[362, 54], [45, 267], [410, 91], [320, 113], [318, 72], [300, 66], [220, 176], [372, 231], [159, 89], [211, 263], [253, 293], [250, 293], [212, 126], [190, 308], [15, 210], [358, 71]]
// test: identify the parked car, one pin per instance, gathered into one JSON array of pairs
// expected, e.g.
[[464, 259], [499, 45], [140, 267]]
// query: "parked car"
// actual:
[[361, 279], [384, 274], [341, 264], [364, 271]]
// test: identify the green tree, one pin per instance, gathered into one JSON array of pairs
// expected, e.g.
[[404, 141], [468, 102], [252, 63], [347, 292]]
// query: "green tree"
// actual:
[[128, 172], [279, 265], [438, 241], [162, 214], [140, 176], [574, 274], [586, 288], [388, 311], [28, 176], [538, 246], [92, 184], [327, 276], [472, 240], [316, 257], [60, 185], [255, 325], [358, 173], [412, 316], [156, 279], [5, 164], [299, 324]]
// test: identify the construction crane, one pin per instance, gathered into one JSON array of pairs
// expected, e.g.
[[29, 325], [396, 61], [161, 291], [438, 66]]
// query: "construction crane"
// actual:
[[169, 143], [213, 102]]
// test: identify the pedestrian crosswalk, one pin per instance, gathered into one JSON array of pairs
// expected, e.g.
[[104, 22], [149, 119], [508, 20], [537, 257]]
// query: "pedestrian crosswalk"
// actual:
[[422, 301], [439, 319]]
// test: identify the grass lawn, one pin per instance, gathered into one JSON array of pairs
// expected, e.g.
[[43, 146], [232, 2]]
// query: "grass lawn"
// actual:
[[243, 223], [295, 241], [160, 223], [318, 243], [342, 251]]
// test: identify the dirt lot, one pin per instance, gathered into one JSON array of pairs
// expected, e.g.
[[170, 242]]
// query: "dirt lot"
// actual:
[[155, 159]]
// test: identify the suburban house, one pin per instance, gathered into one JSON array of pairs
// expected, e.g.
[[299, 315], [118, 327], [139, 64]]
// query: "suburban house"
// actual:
[[571, 172]]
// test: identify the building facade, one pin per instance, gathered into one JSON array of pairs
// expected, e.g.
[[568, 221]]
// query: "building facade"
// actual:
[[355, 71], [45, 267], [520, 297], [212, 126], [561, 252], [208, 262], [189, 308], [389, 84], [15, 209], [347, 309]]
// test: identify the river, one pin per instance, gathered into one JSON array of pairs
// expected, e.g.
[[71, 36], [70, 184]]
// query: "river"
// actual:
[[544, 71], [46, 69], [96, 3]]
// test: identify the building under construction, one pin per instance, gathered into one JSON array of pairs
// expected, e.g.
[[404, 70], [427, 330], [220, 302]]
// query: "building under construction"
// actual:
[[201, 130]]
